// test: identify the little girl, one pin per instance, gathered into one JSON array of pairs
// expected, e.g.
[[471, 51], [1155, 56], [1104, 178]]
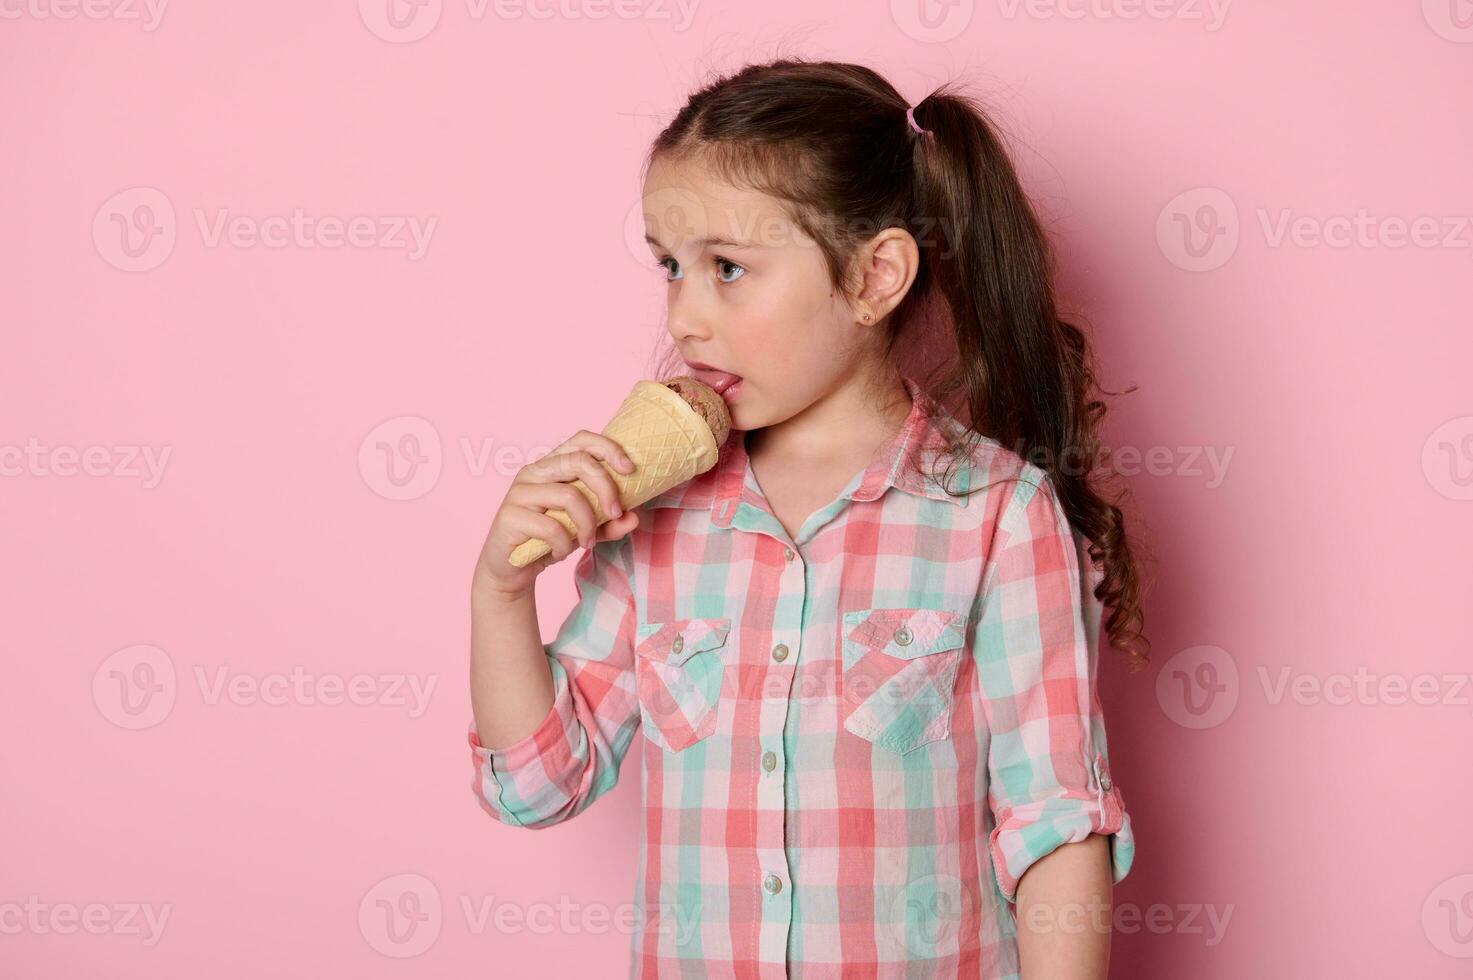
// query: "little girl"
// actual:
[[857, 658]]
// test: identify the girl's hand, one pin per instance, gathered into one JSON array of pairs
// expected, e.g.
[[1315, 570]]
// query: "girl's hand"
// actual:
[[547, 484]]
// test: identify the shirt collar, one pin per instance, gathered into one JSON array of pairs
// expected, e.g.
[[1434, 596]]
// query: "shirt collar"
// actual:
[[904, 462]]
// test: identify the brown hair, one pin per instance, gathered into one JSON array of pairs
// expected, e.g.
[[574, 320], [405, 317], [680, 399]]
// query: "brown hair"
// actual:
[[832, 141]]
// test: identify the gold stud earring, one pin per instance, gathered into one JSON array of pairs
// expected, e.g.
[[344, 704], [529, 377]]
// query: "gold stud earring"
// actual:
[[866, 318]]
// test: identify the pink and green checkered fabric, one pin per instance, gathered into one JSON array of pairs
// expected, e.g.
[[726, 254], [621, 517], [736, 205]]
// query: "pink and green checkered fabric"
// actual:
[[853, 741]]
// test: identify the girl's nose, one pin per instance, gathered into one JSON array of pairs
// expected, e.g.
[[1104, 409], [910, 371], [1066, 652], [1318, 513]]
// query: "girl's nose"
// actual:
[[685, 320], [681, 331]]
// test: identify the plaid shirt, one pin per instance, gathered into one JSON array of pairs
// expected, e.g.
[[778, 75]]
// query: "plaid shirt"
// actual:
[[855, 740]]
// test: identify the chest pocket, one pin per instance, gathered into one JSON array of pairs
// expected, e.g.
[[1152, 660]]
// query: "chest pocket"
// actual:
[[900, 668], [678, 671]]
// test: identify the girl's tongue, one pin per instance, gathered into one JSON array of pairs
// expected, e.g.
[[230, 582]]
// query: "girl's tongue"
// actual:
[[719, 380]]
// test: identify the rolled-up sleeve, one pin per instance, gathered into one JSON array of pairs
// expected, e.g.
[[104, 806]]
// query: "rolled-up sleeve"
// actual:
[[1037, 644], [573, 756]]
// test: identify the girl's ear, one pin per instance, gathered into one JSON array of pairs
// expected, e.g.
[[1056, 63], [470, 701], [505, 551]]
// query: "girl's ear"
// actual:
[[887, 265]]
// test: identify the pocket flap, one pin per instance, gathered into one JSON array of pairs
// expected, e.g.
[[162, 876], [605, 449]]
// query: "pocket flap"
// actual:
[[677, 641], [906, 633]]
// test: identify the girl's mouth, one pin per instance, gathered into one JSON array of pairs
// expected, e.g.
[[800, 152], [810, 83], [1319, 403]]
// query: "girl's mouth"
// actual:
[[721, 382]]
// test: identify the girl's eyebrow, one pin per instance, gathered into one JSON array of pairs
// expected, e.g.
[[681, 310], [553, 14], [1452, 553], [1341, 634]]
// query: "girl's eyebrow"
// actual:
[[706, 243]]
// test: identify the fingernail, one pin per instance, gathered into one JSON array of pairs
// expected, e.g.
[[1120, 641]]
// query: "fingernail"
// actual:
[[617, 511], [627, 462]]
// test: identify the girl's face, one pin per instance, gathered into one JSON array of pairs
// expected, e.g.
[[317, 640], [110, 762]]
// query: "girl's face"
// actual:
[[749, 295]]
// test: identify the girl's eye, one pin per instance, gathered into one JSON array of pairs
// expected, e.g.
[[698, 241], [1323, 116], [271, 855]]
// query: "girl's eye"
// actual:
[[724, 269], [722, 264]]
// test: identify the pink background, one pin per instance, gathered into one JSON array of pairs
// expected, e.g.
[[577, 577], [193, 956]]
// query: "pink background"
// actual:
[[275, 829]]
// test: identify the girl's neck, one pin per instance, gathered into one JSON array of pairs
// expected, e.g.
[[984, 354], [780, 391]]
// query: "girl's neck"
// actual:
[[849, 423]]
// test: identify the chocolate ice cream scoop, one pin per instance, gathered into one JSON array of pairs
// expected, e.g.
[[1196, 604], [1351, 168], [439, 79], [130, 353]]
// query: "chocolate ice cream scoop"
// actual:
[[706, 402]]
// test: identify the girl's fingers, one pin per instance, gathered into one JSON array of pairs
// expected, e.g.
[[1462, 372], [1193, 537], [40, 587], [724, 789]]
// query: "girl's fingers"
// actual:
[[533, 524], [602, 447], [574, 465], [619, 526], [559, 496], [577, 507]]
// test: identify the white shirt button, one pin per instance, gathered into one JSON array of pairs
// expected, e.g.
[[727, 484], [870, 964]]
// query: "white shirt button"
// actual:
[[773, 884], [903, 636], [787, 554], [780, 652], [1105, 783], [769, 761], [678, 645]]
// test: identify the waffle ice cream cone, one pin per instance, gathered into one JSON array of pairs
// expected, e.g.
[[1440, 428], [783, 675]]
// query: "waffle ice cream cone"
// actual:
[[663, 428]]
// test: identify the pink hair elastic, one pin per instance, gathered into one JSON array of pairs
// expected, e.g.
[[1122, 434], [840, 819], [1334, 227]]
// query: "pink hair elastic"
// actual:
[[910, 114]]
